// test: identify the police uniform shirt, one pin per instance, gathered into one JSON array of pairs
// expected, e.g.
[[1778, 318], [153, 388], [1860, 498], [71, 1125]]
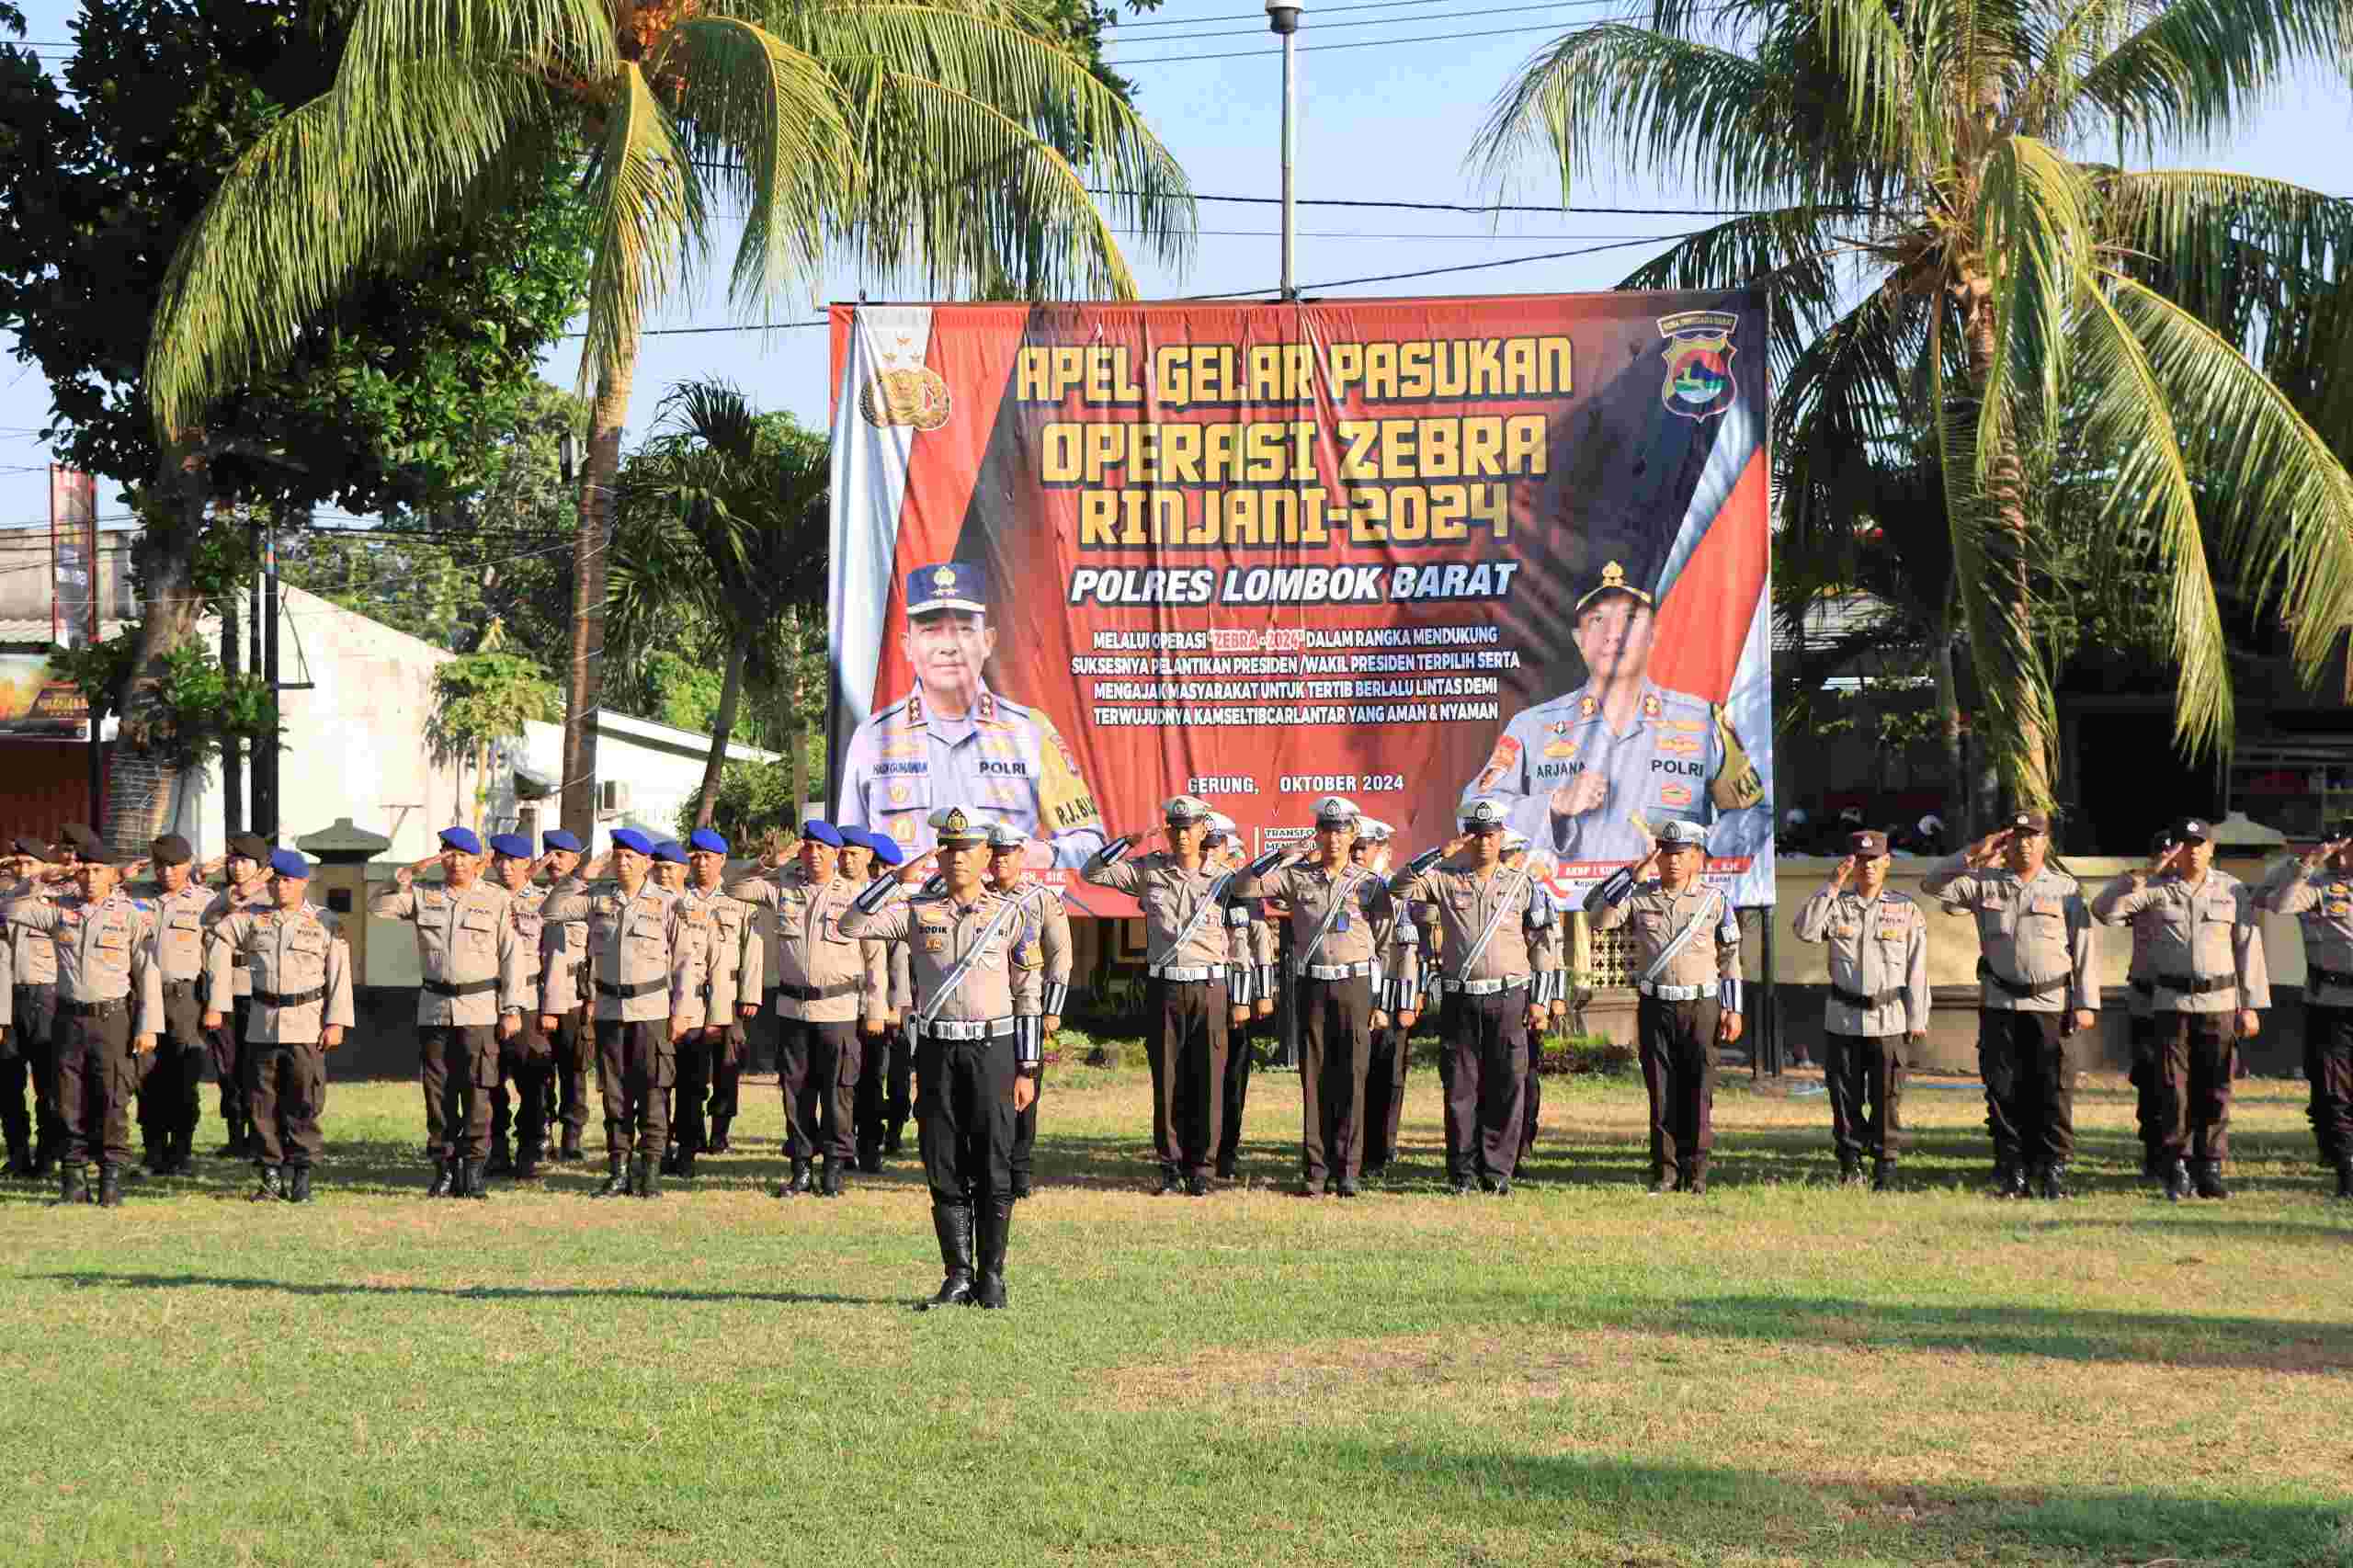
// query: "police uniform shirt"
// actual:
[[179, 929], [1170, 896], [812, 953], [106, 952], [1654, 915], [1467, 903], [2032, 931], [1006, 977], [563, 959], [731, 956], [228, 901], [1004, 762], [1353, 936], [463, 938], [1053, 934], [2136, 977], [2201, 932], [287, 954], [645, 956], [1679, 761], [1879, 948], [33, 955], [2322, 902]]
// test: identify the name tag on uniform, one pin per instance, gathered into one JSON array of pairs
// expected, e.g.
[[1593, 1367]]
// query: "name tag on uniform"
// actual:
[[935, 944], [1847, 931]]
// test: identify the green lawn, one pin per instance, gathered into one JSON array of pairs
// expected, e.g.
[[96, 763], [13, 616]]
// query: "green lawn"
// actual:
[[1779, 1372]]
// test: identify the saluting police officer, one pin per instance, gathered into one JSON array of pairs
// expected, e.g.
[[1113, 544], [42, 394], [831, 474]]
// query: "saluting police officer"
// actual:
[[1009, 877], [300, 1006], [526, 1059], [1879, 1001], [1222, 846], [1687, 938], [887, 1069], [1555, 942], [980, 1042], [1499, 976], [827, 978], [245, 886], [472, 999], [2036, 990], [109, 1009], [2140, 982], [563, 997], [1201, 972], [2206, 961], [728, 985], [2318, 891], [1397, 943], [168, 1102]]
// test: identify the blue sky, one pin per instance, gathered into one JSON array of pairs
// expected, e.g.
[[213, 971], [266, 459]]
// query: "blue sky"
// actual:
[[1388, 116]]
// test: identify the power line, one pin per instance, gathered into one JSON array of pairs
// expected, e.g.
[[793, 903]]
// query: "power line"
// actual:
[[1321, 12], [1330, 48], [1484, 208]]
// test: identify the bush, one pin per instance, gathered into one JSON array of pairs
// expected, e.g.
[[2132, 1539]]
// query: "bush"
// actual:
[[1582, 1053]]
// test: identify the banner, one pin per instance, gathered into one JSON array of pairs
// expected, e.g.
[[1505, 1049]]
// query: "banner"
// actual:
[[74, 558], [36, 703], [1417, 552]]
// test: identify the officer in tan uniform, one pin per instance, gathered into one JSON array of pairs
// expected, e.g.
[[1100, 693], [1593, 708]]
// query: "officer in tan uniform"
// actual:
[[726, 989], [2318, 891], [564, 1015], [109, 1010], [301, 1004], [27, 1054], [980, 1041], [2036, 990], [1223, 847], [2206, 961], [828, 978], [886, 1075], [646, 957], [245, 886], [1499, 976], [2140, 982], [1400, 998], [1878, 1003], [474, 993], [526, 1059], [1008, 851], [1688, 940], [1555, 941], [1201, 970], [169, 1105]]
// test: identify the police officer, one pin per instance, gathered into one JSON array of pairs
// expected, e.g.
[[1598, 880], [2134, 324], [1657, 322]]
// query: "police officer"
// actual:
[[953, 739], [980, 1042], [169, 1105], [886, 1071], [2206, 961], [2140, 982], [1399, 1001], [1499, 977], [109, 1010], [564, 1019], [645, 958], [526, 1058], [246, 886], [2318, 891], [301, 1004], [670, 866], [1008, 878], [1223, 847], [1554, 941], [34, 1142], [828, 980], [1879, 1001], [726, 988], [1201, 970], [471, 1001], [2036, 990], [1688, 940]]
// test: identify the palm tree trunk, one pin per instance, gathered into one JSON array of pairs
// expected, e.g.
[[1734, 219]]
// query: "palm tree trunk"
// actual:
[[139, 788], [586, 686], [2004, 497], [723, 726]]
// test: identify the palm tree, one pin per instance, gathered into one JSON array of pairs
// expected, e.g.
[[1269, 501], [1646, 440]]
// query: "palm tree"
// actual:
[[929, 141], [1942, 251], [723, 511]]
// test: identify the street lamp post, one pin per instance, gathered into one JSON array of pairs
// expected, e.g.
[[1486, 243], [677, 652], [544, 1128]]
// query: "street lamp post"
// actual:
[[1282, 16]]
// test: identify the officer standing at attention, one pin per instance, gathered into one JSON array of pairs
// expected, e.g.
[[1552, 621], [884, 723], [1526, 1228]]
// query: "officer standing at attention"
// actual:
[[246, 887], [564, 1018], [670, 866], [168, 1102], [1201, 972], [1009, 879], [472, 999], [109, 1009], [301, 1004], [1398, 1000], [2036, 989], [2140, 980], [526, 1059], [1555, 942], [2206, 961], [645, 958], [1223, 847], [886, 1068], [980, 1042], [2318, 891], [1499, 976], [729, 982], [1879, 1001], [826, 978], [34, 1142]]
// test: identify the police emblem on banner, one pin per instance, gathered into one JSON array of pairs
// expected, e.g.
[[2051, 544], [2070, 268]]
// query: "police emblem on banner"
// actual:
[[904, 395], [1699, 353]]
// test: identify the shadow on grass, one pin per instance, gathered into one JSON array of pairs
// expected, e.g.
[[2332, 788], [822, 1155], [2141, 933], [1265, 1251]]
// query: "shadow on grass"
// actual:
[[95, 1279]]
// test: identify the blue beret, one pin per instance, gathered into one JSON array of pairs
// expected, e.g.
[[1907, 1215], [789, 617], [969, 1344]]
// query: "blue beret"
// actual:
[[671, 850], [460, 838], [513, 845], [950, 585], [630, 838], [826, 833], [703, 838], [559, 839], [289, 863], [886, 848]]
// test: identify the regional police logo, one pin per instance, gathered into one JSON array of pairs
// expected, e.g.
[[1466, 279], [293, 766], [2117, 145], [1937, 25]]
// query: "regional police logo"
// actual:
[[904, 395], [1699, 353]]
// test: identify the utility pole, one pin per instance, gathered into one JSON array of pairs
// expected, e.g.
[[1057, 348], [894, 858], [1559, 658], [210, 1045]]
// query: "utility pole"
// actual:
[[1282, 16], [266, 748]]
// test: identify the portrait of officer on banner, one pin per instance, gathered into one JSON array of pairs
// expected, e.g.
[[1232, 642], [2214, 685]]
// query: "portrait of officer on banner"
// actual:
[[951, 740], [1590, 777]]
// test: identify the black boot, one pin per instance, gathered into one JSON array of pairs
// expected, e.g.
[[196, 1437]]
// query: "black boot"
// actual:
[[73, 1186], [1695, 1176], [1884, 1175], [647, 1169], [718, 1144], [2007, 1176], [528, 1167], [109, 1187], [995, 1217], [298, 1186], [1662, 1182], [616, 1180], [569, 1153], [892, 1140], [270, 1190], [2208, 1174], [1021, 1185], [470, 1182], [2345, 1175], [829, 1184], [670, 1154], [445, 1178], [801, 1180], [502, 1160], [952, 1222], [2054, 1180], [2177, 1181], [686, 1171], [1850, 1169], [20, 1157]]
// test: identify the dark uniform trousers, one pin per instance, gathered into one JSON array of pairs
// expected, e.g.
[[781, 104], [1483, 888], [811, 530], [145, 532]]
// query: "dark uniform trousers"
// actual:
[[885, 1089], [817, 1071], [98, 1078], [29, 1059], [1336, 1045], [697, 1057], [2142, 1075], [170, 1076], [1535, 1098], [2029, 1085], [286, 1084], [457, 1064], [727, 1059], [2328, 1068], [1679, 1060], [1384, 1094], [636, 1070], [1187, 1053], [1241, 1055], [574, 1052], [1486, 1074], [964, 1105], [528, 1062], [2194, 1054], [1864, 1076], [228, 1054]]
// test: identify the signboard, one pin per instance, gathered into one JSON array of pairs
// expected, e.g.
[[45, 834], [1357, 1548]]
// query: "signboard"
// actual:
[[1412, 551], [74, 558], [35, 703]]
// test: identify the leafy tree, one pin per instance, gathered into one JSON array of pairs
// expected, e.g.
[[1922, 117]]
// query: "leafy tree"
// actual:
[[755, 805], [482, 699], [1939, 254]]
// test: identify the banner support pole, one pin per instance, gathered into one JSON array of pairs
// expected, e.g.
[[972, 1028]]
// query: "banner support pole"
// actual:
[[1283, 17]]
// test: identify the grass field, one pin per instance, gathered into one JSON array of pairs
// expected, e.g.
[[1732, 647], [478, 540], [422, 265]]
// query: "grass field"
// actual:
[[1782, 1372]]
